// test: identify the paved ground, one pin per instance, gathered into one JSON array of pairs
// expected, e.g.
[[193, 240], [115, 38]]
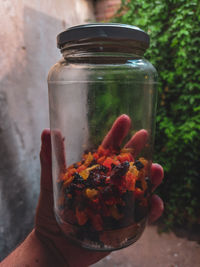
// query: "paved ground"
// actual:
[[156, 250]]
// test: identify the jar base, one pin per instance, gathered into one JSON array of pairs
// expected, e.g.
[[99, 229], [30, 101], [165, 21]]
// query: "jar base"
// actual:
[[107, 240]]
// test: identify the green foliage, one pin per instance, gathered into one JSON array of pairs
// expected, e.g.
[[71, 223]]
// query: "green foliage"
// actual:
[[174, 29]]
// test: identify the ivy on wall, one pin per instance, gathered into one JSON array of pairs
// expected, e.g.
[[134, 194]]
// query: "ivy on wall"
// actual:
[[174, 29]]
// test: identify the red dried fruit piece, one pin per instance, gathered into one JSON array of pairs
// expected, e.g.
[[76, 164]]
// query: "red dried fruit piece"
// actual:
[[138, 193], [96, 155], [101, 160], [81, 168], [118, 172], [125, 157], [108, 162], [81, 216], [102, 151], [111, 201], [130, 181], [69, 215], [97, 222]]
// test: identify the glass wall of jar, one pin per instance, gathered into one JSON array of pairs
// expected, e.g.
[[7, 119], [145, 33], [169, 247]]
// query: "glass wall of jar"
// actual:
[[102, 97]]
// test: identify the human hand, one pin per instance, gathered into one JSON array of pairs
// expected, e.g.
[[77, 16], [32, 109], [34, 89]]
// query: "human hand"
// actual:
[[46, 227]]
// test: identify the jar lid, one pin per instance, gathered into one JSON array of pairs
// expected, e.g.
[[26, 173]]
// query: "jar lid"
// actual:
[[104, 31]]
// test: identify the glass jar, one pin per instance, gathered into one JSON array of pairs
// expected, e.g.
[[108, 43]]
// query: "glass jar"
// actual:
[[102, 97]]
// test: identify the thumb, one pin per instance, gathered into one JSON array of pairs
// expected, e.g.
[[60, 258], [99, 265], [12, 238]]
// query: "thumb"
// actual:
[[45, 160], [44, 219]]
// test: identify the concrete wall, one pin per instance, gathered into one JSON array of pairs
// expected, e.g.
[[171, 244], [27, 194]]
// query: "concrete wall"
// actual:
[[27, 51]]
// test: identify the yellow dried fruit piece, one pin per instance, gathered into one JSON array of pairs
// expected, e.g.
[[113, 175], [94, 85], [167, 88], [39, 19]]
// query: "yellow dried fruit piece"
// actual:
[[89, 159], [91, 193], [115, 213], [81, 217], [93, 167], [84, 174], [133, 169], [143, 161]]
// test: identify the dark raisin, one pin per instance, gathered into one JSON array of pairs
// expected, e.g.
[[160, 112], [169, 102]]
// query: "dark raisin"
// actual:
[[78, 179], [138, 165], [148, 181], [140, 211], [107, 193], [95, 179], [139, 184], [75, 166], [93, 162], [128, 208], [112, 165], [110, 223], [80, 187], [101, 168], [86, 151], [116, 191], [119, 171]]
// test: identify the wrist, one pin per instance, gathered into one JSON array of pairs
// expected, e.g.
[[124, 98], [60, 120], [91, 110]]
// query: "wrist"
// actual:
[[50, 251], [33, 252]]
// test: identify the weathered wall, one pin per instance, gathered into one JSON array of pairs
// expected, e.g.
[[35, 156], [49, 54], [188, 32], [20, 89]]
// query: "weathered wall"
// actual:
[[27, 50]]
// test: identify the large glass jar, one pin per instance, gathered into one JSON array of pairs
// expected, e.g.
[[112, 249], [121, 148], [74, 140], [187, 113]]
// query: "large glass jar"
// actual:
[[102, 97]]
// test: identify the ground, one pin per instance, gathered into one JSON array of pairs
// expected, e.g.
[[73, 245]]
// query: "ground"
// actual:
[[156, 250]]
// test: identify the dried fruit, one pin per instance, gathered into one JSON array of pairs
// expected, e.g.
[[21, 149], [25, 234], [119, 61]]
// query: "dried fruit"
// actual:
[[104, 190]]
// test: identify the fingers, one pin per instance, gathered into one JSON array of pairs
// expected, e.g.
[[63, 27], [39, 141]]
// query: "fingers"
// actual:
[[157, 208], [157, 175], [137, 142], [117, 133], [46, 159], [119, 130]]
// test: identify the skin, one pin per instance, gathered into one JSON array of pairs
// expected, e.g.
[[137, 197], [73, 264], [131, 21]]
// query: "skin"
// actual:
[[46, 245]]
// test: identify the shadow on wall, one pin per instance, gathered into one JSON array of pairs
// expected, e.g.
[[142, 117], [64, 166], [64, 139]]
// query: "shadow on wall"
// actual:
[[23, 115]]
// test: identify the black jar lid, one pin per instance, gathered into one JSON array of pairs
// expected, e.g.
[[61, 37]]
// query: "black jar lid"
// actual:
[[104, 31]]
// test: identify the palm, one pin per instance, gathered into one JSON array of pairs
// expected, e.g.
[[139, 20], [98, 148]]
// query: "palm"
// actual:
[[46, 226]]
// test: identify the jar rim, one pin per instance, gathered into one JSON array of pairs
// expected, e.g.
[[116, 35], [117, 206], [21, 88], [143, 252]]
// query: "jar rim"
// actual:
[[105, 31]]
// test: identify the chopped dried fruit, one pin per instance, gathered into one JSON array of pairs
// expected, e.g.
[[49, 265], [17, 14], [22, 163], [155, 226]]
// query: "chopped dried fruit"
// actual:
[[81, 216], [89, 159], [115, 213], [138, 165], [91, 193], [130, 181], [104, 191], [85, 173]]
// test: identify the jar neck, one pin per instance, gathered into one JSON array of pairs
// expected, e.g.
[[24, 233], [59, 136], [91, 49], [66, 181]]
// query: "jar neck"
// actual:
[[101, 51]]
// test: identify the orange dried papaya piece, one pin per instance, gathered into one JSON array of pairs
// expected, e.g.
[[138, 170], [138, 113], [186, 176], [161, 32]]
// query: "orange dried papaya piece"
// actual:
[[115, 213], [102, 151], [101, 160], [81, 168], [81, 216], [88, 159], [130, 181]]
